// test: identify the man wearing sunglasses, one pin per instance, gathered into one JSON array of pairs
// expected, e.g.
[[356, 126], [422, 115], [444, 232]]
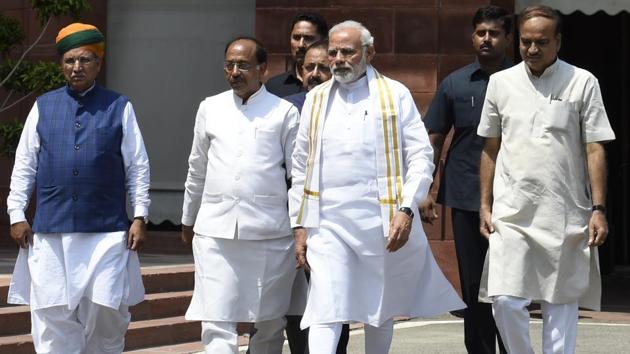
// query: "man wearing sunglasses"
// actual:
[[235, 207]]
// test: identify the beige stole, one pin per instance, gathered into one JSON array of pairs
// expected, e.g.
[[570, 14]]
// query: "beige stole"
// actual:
[[388, 152]]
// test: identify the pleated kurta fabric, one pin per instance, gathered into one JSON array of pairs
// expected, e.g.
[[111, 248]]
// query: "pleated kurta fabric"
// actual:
[[61, 269], [241, 280]]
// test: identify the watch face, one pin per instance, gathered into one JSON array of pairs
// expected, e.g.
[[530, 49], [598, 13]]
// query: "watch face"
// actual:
[[406, 210]]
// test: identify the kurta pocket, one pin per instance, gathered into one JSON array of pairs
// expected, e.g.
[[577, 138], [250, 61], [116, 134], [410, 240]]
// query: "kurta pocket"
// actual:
[[559, 116]]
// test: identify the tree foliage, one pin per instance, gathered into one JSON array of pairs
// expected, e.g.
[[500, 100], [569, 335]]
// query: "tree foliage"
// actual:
[[9, 137], [40, 76], [21, 78], [55, 8], [11, 34]]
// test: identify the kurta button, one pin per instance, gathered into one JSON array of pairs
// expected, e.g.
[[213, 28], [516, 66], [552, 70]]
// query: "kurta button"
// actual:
[[77, 124], [74, 197], [76, 147], [237, 177], [75, 172]]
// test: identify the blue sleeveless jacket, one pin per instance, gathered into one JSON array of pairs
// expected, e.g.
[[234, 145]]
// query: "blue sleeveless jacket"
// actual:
[[80, 175]]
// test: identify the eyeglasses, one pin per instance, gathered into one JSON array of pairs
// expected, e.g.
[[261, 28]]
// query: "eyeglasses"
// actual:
[[239, 65], [345, 52], [83, 61], [310, 67]]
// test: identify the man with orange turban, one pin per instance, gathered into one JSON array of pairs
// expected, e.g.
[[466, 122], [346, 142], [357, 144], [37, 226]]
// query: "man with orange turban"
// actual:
[[81, 146]]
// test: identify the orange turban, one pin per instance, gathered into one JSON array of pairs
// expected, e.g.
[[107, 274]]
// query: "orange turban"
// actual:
[[80, 35]]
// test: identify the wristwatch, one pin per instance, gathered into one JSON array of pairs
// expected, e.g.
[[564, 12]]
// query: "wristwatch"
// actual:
[[599, 207], [407, 211], [144, 219]]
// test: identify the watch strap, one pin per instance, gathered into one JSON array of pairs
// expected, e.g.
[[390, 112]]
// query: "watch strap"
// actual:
[[599, 207]]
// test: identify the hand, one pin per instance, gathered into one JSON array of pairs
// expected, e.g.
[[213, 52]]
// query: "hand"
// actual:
[[399, 229], [597, 229], [22, 234], [485, 223], [137, 235], [300, 235], [428, 211], [187, 234]]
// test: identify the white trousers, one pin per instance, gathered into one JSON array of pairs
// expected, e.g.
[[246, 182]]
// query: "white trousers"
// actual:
[[559, 325], [222, 338], [323, 338], [88, 329]]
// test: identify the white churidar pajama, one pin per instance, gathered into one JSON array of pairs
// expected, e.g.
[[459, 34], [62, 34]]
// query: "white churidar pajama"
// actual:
[[323, 338], [221, 337], [559, 325]]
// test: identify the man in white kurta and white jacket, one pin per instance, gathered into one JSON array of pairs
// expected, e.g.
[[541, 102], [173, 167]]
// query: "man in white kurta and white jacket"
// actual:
[[361, 165], [543, 189], [236, 198]]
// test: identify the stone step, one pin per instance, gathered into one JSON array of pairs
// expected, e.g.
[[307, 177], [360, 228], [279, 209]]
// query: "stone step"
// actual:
[[17, 320], [161, 305], [183, 348], [161, 279], [156, 279], [165, 242], [141, 334], [161, 332], [22, 344]]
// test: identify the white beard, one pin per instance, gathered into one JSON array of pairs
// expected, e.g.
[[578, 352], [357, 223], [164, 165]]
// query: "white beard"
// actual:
[[353, 74]]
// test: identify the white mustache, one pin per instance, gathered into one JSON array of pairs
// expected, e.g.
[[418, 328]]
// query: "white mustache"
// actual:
[[344, 66]]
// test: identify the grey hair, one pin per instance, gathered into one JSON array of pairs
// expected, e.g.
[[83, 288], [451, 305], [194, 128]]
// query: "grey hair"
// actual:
[[366, 36]]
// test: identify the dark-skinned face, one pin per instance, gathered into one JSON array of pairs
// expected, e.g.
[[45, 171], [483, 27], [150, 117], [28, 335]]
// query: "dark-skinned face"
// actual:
[[242, 70], [490, 40], [80, 67], [316, 68], [303, 34], [539, 44]]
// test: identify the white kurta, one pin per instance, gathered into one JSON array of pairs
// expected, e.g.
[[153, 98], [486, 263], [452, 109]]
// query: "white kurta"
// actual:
[[542, 202], [59, 269], [353, 276], [236, 197]]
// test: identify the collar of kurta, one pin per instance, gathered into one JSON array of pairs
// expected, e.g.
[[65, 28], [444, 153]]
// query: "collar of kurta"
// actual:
[[385, 111], [80, 94], [255, 97], [548, 71]]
